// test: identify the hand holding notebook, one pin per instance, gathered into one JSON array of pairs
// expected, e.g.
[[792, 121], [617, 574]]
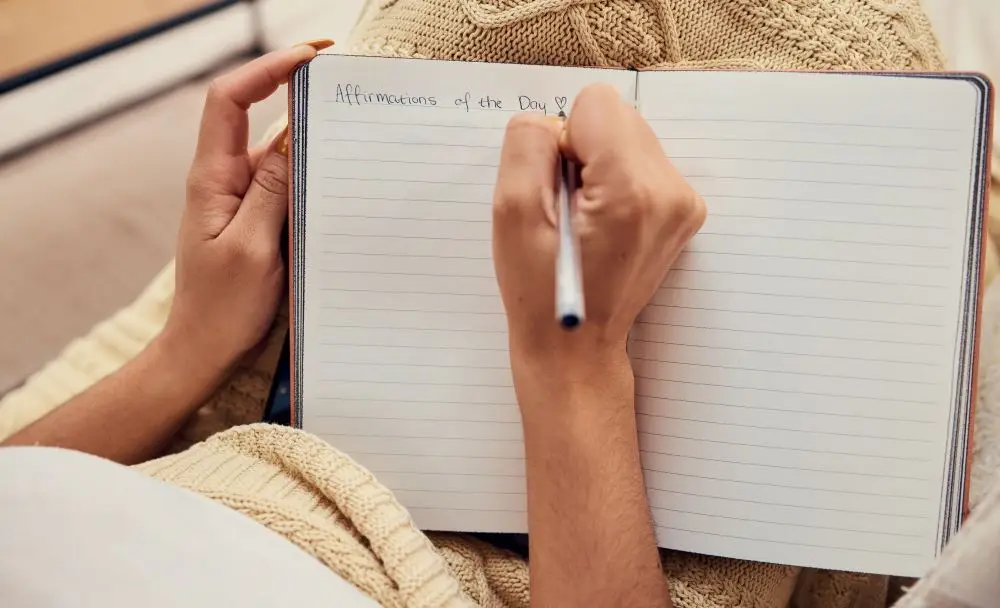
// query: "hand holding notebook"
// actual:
[[804, 375]]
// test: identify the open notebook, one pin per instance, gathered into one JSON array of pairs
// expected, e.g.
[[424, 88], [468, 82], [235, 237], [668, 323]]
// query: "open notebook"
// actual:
[[805, 374]]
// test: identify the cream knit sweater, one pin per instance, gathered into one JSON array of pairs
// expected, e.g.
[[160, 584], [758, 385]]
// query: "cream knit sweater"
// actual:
[[319, 498]]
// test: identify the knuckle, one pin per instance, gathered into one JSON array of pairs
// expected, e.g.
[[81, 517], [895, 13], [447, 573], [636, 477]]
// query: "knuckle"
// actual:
[[271, 177], [639, 202], [217, 89], [696, 211], [526, 123], [196, 186], [509, 202], [685, 209]]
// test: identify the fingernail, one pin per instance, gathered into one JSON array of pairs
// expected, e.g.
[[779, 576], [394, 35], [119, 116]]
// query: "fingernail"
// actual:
[[319, 44], [281, 139]]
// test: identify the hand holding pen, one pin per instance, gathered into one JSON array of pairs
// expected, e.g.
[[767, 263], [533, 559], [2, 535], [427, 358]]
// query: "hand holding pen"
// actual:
[[631, 211]]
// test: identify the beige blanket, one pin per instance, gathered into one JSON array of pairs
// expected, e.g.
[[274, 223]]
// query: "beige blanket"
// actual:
[[483, 572]]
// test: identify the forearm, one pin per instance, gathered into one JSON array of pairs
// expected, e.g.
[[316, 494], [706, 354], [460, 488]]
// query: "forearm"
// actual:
[[130, 415], [591, 535]]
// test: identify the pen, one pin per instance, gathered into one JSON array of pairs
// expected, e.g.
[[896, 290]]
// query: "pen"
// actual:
[[569, 277]]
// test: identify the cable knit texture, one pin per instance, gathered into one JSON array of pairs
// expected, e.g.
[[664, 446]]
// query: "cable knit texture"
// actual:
[[320, 499]]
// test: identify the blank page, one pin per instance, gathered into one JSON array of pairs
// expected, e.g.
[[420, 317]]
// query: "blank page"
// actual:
[[405, 350], [796, 371]]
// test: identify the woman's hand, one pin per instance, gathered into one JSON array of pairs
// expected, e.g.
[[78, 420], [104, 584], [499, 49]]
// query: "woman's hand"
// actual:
[[634, 214], [591, 538], [230, 274], [229, 281]]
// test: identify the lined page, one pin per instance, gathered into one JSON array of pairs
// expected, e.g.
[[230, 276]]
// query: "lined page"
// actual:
[[406, 364], [795, 371]]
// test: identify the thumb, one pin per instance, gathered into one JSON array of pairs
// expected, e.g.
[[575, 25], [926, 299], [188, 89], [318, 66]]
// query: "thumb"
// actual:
[[265, 205]]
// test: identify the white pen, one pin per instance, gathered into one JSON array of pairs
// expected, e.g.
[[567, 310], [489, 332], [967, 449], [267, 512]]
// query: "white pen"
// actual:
[[569, 276]]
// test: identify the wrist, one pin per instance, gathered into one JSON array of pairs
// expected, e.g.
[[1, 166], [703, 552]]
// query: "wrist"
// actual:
[[192, 372], [561, 381]]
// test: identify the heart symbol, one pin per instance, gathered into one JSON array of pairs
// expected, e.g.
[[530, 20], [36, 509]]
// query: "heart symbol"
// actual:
[[561, 102]]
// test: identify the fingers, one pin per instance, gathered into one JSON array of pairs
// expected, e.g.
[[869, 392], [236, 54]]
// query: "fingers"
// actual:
[[264, 210], [224, 122], [526, 179], [603, 125]]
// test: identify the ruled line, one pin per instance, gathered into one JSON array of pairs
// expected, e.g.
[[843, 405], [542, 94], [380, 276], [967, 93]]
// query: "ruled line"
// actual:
[[784, 524], [416, 401], [784, 429], [812, 142], [407, 455], [450, 275], [829, 221], [783, 467], [411, 382], [419, 347], [408, 219], [408, 256], [797, 200], [785, 448], [793, 543], [778, 409], [445, 329], [817, 162], [782, 371], [450, 312], [677, 269], [416, 238], [691, 176], [781, 333], [416, 124], [466, 509], [781, 504], [457, 492], [702, 252], [783, 352], [790, 392], [445, 474], [384, 179], [409, 143], [389, 436], [408, 199], [757, 483], [803, 122], [411, 364], [798, 316], [820, 240], [411, 162]]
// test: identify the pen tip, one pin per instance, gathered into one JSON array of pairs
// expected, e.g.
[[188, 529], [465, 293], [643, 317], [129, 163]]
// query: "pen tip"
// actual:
[[562, 114], [569, 321]]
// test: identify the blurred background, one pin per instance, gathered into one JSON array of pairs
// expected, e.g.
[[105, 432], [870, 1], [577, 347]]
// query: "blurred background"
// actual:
[[99, 106]]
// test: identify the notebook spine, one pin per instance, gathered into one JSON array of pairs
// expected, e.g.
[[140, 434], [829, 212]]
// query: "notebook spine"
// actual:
[[297, 128]]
